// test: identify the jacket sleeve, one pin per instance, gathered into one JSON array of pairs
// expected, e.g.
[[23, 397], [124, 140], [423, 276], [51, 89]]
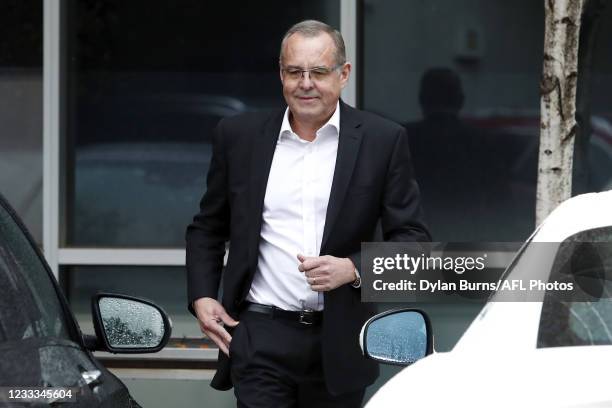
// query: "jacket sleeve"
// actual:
[[401, 215], [207, 235]]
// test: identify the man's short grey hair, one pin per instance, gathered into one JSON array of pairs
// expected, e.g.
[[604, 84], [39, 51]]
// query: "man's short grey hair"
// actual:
[[313, 28]]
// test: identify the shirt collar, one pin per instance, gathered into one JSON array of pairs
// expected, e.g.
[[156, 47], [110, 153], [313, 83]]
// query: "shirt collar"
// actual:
[[332, 124]]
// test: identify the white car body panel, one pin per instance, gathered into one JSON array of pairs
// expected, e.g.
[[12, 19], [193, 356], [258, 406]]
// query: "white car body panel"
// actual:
[[496, 362], [552, 377]]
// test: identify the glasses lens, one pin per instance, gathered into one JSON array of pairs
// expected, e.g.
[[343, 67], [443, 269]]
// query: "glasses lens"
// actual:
[[319, 74], [293, 73], [315, 74]]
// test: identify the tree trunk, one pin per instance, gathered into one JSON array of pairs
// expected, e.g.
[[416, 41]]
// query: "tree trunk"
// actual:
[[558, 104]]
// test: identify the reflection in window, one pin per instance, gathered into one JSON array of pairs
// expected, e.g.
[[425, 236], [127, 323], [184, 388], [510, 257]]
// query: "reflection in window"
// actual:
[[449, 72], [21, 43], [29, 303], [593, 145], [586, 259], [148, 83]]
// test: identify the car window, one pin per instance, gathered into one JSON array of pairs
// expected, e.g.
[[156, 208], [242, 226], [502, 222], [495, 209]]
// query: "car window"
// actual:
[[29, 305], [587, 258]]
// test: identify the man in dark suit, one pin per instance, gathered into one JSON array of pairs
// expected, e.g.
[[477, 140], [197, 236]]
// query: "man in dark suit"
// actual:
[[295, 192]]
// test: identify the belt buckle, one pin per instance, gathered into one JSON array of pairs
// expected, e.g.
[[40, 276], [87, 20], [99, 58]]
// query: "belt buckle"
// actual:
[[306, 316]]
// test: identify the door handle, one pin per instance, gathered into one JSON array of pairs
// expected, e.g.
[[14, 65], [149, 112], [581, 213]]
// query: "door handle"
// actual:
[[92, 377]]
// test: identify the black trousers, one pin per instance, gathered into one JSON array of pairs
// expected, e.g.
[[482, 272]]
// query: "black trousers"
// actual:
[[276, 363]]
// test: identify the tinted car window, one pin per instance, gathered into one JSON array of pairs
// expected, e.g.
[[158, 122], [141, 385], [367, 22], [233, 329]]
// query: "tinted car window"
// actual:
[[587, 257], [29, 305]]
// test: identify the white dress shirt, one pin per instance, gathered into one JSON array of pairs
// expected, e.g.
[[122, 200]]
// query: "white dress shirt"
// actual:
[[294, 212]]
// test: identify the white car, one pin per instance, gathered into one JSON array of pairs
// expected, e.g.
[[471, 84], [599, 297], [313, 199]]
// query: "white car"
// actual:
[[546, 353]]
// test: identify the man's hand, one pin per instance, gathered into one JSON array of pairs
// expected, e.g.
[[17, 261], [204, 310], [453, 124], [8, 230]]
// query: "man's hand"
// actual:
[[212, 316], [326, 272]]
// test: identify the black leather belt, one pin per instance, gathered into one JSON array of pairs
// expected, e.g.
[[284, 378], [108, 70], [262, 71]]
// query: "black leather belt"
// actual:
[[306, 317]]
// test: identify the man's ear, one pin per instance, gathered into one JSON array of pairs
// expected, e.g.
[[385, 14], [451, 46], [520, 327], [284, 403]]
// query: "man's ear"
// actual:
[[345, 73]]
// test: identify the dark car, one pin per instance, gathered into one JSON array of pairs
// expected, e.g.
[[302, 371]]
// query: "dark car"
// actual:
[[45, 360]]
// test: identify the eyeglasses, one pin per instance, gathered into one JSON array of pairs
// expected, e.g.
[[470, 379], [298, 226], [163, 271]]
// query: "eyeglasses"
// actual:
[[317, 74]]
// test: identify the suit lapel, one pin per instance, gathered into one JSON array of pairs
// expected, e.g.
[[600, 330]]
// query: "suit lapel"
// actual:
[[348, 150], [262, 152]]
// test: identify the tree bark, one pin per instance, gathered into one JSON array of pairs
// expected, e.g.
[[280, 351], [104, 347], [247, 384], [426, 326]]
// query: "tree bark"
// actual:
[[558, 104]]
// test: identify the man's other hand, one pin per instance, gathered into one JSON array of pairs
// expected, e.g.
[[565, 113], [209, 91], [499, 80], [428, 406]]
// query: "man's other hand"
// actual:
[[327, 272], [211, 316]]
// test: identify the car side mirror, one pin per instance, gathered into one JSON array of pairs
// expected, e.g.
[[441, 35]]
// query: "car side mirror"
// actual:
[[126, 324], [398, 337]]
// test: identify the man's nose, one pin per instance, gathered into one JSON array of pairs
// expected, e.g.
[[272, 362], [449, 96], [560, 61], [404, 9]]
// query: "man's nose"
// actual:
[[306, 81]]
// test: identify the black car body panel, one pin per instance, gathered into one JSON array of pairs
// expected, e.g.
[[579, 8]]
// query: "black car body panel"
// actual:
[[41, 344]]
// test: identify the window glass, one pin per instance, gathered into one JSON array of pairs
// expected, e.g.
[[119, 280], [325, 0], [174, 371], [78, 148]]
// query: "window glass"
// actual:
[[21, 43], [593, 146], [587, 258], [148, 82], [29, 304], [463, 77]]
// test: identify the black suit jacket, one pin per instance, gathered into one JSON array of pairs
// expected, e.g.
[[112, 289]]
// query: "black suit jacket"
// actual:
[[373, 182]]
